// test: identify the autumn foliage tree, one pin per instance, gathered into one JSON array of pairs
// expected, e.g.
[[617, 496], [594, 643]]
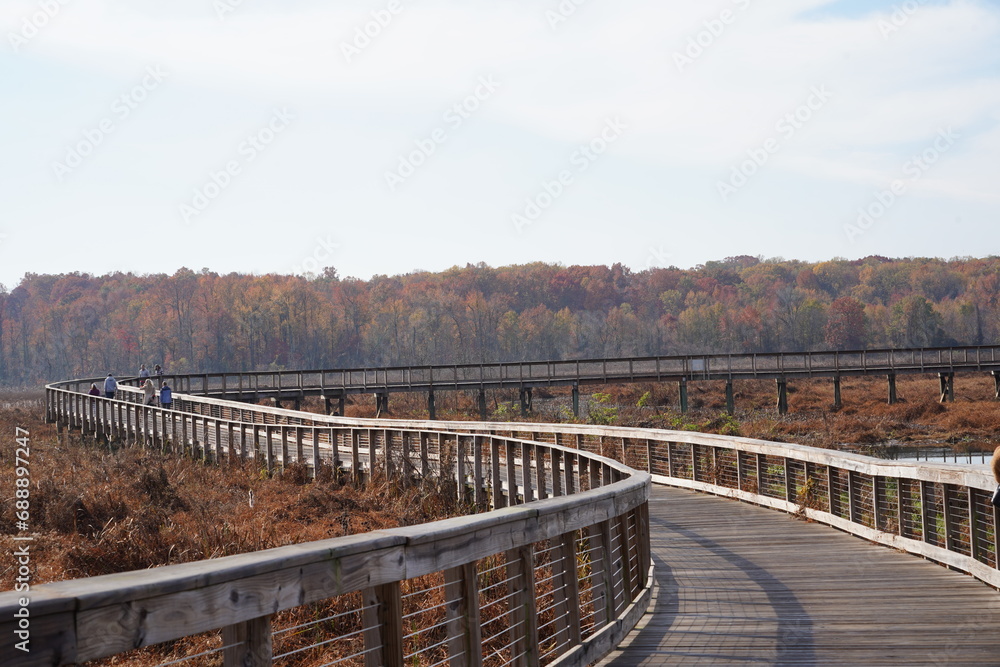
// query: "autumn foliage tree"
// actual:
[[75, 324]]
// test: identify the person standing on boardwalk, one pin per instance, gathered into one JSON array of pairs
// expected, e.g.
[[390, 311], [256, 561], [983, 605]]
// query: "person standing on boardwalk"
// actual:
[[94, 391], [995, 465], [143, 372], [148, 392], [166, 396], [157, 375], [110, 386]]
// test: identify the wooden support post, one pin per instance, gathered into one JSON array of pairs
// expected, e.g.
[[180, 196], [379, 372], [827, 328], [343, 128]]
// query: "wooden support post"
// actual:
[[730, 400], [327, 405], [782, 396], [300, 457], [682, 387], [996, 384], [524, 618], [249, 643], [431, 411], [481, 399], [947, 382], [383, 617], [576, 398], [341, 405], [892, 389], [525, 396], [837, 402], [461, 592]]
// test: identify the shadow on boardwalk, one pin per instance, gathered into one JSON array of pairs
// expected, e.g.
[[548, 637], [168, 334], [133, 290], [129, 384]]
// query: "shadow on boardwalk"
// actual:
[[739, 584]]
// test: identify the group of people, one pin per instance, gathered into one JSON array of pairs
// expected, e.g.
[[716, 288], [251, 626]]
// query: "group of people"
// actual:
[[149, 390]]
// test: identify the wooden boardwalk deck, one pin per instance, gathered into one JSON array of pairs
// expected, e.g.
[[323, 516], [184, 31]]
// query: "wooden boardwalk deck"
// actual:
[[739, 585]]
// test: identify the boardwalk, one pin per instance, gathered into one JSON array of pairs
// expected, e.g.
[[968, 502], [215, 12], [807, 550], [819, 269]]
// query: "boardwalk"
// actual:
[[743, 585]]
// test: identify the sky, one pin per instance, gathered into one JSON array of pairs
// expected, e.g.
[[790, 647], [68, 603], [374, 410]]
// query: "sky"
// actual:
[[389, 136]]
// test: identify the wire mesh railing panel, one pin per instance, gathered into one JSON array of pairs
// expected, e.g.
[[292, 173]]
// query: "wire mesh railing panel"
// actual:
[[911, 509], [863, 499], [702, 459], [747, 471], [772, 476], [840, 495], [331, 632], [551, 599], [496, 593], [933, 510], [682, 460], [957, 514], [659, 465], [887, 500], [724, 471], [425, 622], [983, 531], [591, 575]]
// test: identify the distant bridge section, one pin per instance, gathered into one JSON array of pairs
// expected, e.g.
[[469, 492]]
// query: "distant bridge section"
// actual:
[[335, 385]]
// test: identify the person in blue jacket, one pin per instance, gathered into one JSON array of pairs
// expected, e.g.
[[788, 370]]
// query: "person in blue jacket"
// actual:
[[110, 386], [166, 396]]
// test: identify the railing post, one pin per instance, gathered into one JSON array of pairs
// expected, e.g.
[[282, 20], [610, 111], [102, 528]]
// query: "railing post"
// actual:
[[511, 473], [524, 616], [852, 504], [249, 643], [949, 519], [478, 481], [383, 626], [566, 592], [269, 448], [540, 482], [425, 463], [356, 455], [789, 481], [460, 473], [974, 522], [461, 586]]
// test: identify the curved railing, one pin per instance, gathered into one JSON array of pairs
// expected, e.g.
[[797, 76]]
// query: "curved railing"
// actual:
[[557, 572], [939, 511]]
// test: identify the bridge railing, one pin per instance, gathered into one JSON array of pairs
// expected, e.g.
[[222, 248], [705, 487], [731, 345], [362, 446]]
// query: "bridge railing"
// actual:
[[554, 570], [938, 511]]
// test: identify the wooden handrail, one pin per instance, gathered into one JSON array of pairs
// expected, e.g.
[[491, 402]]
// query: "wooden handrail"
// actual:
[[80, 620]]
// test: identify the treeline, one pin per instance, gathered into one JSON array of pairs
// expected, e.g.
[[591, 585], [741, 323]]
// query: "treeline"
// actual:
[[74, 325]]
